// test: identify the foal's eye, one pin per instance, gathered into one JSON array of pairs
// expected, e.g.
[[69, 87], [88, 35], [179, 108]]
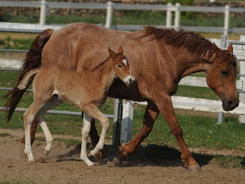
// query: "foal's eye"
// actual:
[[224, 72], [119, 66]]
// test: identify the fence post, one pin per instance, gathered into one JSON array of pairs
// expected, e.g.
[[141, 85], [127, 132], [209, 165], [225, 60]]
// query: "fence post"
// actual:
[[177, 17], [220, 118], [227, 19], [241, 118], [117, 122], [43, 12], [169, 16], [109, 14], [127, 121]]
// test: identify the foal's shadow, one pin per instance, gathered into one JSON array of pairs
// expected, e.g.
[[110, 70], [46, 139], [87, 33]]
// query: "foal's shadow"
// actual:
[[150, 155]]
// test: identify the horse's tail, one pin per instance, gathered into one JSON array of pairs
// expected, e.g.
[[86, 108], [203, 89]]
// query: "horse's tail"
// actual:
[[32, 60]]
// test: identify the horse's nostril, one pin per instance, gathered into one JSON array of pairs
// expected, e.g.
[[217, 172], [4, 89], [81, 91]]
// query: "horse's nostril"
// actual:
[[231, 102]]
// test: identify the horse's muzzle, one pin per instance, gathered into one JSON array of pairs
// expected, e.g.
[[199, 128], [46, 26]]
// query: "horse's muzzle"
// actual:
[[229, 105]]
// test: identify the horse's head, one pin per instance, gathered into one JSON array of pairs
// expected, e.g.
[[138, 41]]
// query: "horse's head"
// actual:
[[120, 66], [221, 76]]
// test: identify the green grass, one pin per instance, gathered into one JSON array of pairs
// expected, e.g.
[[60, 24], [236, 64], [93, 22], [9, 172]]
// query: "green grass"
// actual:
[[138, 17]]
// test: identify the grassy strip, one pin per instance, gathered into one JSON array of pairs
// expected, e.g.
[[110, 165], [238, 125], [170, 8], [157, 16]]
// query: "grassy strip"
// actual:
[[198, 131], [201, 132], [136, 17]]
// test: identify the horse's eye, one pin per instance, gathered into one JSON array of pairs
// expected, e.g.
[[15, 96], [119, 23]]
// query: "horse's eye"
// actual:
[[119, 66], [224, 72]]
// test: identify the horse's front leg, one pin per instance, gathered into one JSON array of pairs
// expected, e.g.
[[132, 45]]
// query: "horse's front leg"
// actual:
[[150, 116], [165, 106]]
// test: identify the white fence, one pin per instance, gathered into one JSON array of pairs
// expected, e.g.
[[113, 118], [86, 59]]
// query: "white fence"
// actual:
[[179, 102], [169, 8]]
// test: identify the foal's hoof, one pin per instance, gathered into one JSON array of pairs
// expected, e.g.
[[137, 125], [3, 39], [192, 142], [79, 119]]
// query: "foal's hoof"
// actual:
[[46, 152], [90, 155], [22, 153], [195, 168]]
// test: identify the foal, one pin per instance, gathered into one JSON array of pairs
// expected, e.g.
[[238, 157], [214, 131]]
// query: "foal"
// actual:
[[85, 90]]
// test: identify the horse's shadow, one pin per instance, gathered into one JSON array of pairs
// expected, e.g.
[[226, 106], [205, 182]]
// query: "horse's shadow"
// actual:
[[150, 155]]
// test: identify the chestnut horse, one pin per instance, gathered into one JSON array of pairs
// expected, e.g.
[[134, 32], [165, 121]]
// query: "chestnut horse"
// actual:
[[86, 90], [159, 59]]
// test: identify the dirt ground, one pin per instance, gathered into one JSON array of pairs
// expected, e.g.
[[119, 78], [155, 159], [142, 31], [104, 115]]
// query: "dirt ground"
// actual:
[[63, 165]]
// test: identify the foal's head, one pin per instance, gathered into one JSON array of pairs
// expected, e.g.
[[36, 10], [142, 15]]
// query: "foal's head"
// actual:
[[221, 76], [120, 66]]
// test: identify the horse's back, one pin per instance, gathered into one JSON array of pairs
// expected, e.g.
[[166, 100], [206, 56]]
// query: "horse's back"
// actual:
[[81, 46]]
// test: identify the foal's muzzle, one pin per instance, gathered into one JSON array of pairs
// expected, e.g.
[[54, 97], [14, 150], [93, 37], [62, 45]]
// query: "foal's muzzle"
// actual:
[[129, 80]]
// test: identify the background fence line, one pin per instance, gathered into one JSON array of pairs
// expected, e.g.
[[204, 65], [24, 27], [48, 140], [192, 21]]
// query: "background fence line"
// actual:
[[109, 6]]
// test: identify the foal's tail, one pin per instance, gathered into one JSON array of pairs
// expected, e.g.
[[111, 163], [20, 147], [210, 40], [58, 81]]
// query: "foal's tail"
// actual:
[[32, 60], [28, 77]]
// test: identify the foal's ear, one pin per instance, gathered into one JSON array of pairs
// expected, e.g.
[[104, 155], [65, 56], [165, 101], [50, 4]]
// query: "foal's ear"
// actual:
[[230, 49], [120, 50], [112, 54]]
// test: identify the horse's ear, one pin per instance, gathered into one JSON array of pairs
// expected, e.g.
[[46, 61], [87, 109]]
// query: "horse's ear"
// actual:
[[112, 54], [230, 49], [120, 50]]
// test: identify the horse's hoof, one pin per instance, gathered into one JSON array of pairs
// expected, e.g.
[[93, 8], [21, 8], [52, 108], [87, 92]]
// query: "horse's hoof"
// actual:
[[46, 152], [195, 168], [40, 160], [115, 162], [104, 161]]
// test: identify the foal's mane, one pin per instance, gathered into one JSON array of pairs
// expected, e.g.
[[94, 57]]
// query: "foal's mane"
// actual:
[[100, 64], [194, 42]]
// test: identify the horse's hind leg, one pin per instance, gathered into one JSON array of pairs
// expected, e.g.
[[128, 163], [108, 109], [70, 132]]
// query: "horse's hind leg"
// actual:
[[150, 116]]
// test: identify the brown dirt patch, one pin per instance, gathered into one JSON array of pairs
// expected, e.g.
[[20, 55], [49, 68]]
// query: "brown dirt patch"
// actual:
[[63, 165]]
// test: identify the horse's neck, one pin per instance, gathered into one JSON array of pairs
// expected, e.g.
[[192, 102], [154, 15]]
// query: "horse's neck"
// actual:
[[192, 64], [104, 73]]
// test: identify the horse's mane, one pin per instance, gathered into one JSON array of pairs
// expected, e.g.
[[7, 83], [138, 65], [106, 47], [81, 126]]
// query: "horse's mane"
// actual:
[[194, 42]]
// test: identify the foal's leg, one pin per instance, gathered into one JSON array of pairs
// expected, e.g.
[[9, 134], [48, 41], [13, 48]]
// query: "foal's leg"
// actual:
[[95, 139], [85, 132], [29, 115], [52, 103], [94, 112]]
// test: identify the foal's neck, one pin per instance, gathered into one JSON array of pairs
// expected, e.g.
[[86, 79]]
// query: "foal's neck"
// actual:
[[104, 72]]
